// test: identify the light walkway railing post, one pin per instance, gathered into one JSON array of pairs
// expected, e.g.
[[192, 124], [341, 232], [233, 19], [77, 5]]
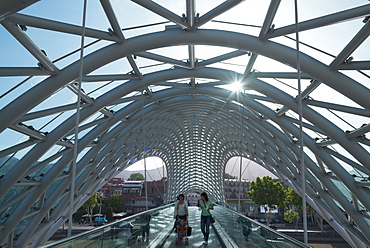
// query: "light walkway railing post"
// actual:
[[240, 179], [75, 148], [241, 149], [301, 143], [144, 152]]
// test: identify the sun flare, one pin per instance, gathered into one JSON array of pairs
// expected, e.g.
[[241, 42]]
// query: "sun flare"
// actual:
[[235, 86]]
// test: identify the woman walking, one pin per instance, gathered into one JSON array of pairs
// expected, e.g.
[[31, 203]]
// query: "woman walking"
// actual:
[[181, 208], [206, 206]]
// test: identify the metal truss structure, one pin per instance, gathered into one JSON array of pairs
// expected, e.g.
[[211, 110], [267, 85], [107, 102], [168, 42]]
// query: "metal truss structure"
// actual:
[[155, 84]]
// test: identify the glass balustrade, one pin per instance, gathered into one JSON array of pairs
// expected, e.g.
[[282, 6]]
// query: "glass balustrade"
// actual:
[[245, 232], [151, 228]]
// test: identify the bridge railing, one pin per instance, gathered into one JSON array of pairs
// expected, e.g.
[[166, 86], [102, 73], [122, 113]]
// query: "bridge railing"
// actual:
[[148, 228], [242, 231], [152, 228]]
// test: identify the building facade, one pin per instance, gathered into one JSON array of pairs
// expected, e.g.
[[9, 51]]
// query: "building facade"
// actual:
[[133, 192]]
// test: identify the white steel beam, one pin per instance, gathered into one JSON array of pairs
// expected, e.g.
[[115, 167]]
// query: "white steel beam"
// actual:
[[165, 13], [30, 46], [67, 28], [23, 71], [267, 23], [359, 38], [112, 19], [322, 21], [220, 9]]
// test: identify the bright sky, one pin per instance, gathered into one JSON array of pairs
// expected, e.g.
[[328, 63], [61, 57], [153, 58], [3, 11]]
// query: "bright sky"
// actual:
[[250, 169], [151, 163]]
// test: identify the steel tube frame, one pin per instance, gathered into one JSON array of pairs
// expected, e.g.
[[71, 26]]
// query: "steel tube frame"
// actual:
[[178, 37]]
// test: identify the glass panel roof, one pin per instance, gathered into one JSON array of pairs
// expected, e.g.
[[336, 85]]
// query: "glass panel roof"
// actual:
[[135, 75]]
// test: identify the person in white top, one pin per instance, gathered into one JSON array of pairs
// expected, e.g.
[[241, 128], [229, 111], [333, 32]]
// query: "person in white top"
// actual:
[[181, 208]]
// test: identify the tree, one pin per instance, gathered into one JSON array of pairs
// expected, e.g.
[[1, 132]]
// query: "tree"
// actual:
[[90, 204], [295, 202], [228, 176], [114, 204], [136, 177], [292, 198], [268, 193], [292, 216], [117, 203]]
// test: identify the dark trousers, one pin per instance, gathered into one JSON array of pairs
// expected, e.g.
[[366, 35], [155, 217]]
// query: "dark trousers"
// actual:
[[205, 222]]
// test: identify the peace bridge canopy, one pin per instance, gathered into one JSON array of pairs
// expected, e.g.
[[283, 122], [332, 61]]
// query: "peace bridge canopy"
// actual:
[[88, 87]]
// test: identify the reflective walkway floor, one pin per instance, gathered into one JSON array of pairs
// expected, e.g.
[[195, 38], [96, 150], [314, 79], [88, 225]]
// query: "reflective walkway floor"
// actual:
[[196, 239]]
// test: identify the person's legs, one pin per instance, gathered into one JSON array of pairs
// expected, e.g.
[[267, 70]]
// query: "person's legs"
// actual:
[[203, 225], [207, 221]]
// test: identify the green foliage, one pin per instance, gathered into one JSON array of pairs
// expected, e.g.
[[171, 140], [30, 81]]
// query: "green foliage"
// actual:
[[90, 204], [266, 191], [163, 178], [115, 203], [292, 198], [228, 176], [291, 216], [136, 177]]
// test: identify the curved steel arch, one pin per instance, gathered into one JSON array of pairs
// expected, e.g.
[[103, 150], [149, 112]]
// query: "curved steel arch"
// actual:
[[108, 54], [205, 90], [139, 106], [196, 136]]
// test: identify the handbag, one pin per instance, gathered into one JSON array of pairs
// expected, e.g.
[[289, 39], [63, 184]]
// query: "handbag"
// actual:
[[212, 219], [189, 231]]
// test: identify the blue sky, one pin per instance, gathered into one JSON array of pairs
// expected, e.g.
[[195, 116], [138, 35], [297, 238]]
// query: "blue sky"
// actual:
[[57, 44]]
